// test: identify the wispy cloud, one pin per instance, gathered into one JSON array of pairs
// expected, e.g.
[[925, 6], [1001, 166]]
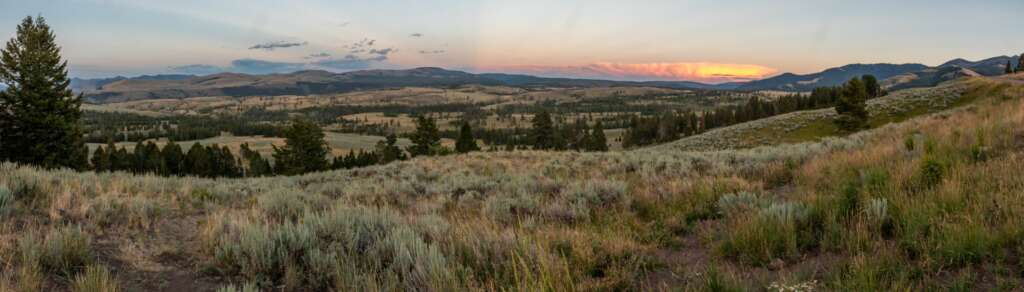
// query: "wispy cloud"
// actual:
[[416, 35], [382, 52], [434, 52], [703, 71], [317, 56], [196, 69], [276, 45]]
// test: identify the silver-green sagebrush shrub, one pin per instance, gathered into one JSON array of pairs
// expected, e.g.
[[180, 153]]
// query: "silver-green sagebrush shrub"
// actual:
[[63, 251], [735, 203], [509, 208], [345, 247]]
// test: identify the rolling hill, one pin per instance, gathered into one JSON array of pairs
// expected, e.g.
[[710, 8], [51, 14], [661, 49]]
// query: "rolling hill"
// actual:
[[953, 69], [118, 89], [830, 77]]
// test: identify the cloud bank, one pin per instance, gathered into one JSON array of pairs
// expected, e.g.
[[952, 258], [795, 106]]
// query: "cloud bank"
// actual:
[[702, 71], [276, 45]]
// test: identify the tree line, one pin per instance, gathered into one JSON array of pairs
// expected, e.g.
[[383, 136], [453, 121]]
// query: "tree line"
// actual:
[[670, 126]]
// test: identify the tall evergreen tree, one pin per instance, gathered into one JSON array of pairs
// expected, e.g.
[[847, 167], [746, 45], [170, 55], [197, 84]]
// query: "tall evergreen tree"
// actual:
[[1020, 64], [871, 84], [851, 107], [258, 166], [598, 141], [426, 140], [39, 115], [543, 131], [1009, 67], [304, 150], [197, 161], [100, 160], [388, 151], [174, 159], [466, 143]]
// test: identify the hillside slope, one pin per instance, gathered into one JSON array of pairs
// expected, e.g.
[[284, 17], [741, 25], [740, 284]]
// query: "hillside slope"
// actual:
[[812, 125], [932, 203]]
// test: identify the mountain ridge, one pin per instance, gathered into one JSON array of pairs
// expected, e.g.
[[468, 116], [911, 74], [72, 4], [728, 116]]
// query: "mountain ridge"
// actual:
[[307, 82]]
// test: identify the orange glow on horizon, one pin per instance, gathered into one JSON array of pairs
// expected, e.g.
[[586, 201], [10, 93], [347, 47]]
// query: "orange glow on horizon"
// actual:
[[703, 71]]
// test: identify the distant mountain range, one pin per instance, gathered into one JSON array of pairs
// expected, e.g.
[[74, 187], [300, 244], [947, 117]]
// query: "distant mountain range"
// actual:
[[893, 76]]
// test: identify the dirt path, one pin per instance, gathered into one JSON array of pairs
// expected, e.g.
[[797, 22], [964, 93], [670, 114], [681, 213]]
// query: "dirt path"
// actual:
[[161, 259]]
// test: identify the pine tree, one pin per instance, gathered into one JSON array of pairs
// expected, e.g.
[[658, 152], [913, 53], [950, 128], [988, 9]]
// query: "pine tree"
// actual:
[[466, 143], [388, 151], [543, 132], [100, 160], [304, 150], [258, 166], [426, 140], [197, 161], [1009, 67], [1020, 64], [174, 159], [871, 84], [598, 141], [120, 160], [851, 107], [154, 159], [39, 115]]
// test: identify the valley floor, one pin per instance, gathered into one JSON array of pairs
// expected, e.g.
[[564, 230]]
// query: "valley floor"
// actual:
[[930, 203]]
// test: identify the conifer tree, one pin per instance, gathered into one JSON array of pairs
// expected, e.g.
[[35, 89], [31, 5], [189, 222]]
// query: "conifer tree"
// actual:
[[466, 143], [388, 151], [598, 141], [100, 160], [258, 166], [426, 140], [851, 107], [543, 131], [120, 160], [197, 161], [304, 150], [1009, 67], [1020, 64], [39, 115], [174, 159], [871, 84]]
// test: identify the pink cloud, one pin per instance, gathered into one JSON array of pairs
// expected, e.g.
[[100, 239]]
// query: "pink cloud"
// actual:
[[703, 71]]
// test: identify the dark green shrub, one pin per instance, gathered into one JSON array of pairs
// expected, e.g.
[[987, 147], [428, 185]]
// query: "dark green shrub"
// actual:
[[930, 172]]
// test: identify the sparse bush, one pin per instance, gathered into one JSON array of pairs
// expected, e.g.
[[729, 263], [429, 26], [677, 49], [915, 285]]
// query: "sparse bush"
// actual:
[[876, 213], [95, 279], [930, 172], [737, 203], [776, 232], [282, 204], [958, 244], [64, 251], [511, 208]]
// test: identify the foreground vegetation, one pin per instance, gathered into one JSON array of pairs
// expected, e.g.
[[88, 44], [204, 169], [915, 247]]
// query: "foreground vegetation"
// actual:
[[929, 204]]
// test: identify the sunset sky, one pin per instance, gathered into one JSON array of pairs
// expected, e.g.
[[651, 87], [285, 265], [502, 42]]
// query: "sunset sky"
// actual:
[[704, 40]]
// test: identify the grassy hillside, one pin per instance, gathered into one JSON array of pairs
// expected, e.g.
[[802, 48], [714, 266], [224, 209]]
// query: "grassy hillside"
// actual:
[[813, 125], [931, 203]]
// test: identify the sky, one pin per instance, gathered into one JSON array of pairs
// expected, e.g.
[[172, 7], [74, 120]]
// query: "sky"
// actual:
[[710, 41]]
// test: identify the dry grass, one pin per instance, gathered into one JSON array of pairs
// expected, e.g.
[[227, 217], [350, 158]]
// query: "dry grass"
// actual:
[[871, 211]]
